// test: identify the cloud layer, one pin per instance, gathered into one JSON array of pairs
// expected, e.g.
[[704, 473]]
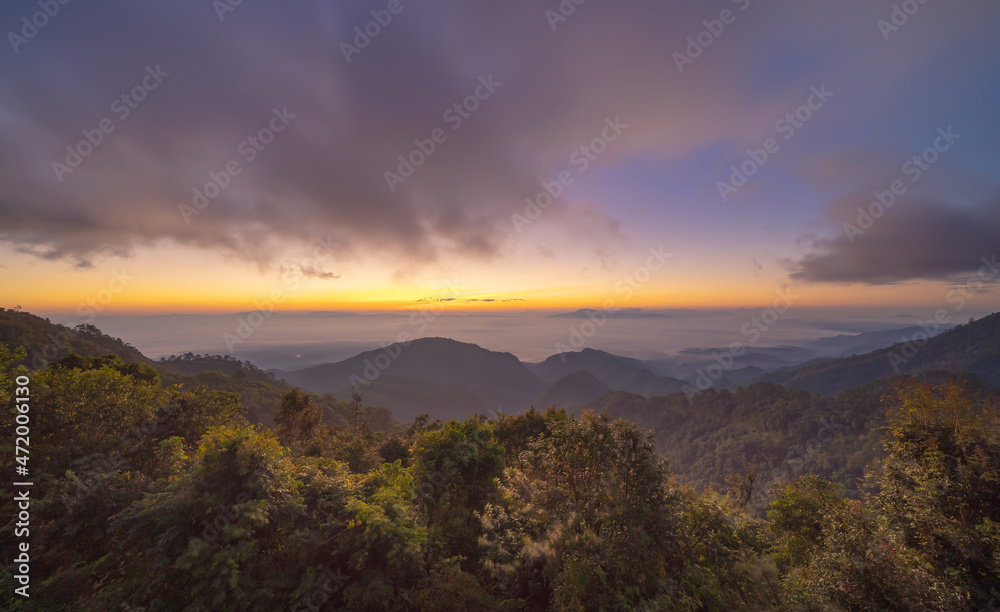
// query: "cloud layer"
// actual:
[[915, 240], [323, 174]]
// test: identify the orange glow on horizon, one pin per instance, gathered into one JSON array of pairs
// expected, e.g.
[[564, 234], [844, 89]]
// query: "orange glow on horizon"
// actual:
[[184, 282]]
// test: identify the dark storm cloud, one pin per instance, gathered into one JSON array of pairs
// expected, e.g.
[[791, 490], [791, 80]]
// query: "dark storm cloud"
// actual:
[[323, 174], [223, 81], [914, 240]]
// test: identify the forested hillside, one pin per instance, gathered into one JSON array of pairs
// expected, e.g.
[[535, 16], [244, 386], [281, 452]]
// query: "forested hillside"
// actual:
[[46, 341], [973, 348], [166, 499], [764, 428], [770, 432], [259, 392], [153, 490]]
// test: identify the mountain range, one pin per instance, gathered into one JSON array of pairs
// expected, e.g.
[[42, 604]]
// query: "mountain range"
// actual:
[[757, 422], [449, 379], [973, 348], [439, 376]]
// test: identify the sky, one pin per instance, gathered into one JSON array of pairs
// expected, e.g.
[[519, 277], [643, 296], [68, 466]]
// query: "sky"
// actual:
[[200, 157]]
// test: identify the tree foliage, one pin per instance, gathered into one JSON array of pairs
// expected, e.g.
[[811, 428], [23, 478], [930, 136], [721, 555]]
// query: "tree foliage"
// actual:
[[159, 495]]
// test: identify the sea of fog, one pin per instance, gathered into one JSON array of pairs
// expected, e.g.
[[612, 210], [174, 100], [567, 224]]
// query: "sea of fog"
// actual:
[[289, 340]]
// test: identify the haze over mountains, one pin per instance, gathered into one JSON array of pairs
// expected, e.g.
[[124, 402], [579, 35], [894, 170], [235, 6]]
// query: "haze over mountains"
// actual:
[[758, 409], [736, 451], [452, 379], [293, 340], [973, 348]]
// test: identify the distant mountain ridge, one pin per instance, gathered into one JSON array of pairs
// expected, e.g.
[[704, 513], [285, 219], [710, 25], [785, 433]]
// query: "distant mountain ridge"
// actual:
[[687, 363], [848, 345], [972, 348], [450, 379], [622, 313], [616, 372], [574, 391], [438, 369]]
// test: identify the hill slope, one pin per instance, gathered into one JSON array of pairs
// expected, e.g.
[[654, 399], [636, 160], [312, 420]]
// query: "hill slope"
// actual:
[[849, 345], [616, 372], [466, 376], [573, 391], [773, 430], [972, 348], [260, 393], [46, 342]]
